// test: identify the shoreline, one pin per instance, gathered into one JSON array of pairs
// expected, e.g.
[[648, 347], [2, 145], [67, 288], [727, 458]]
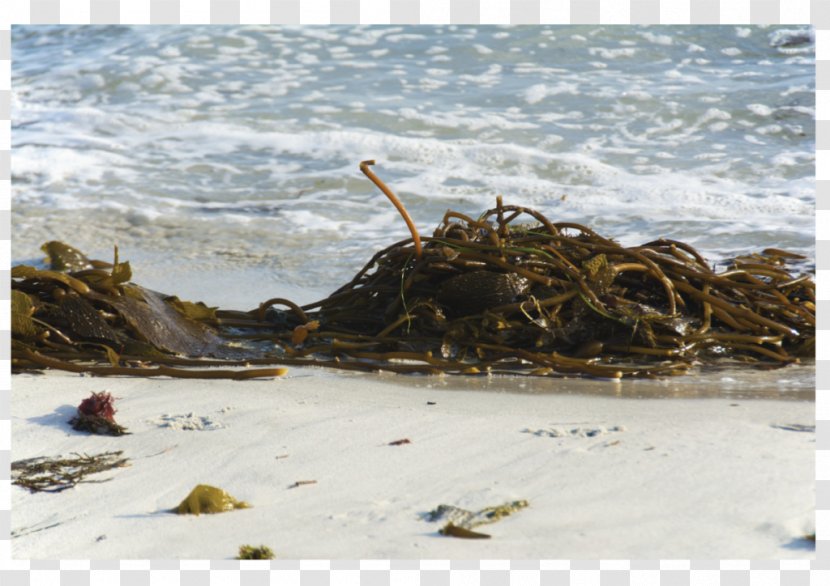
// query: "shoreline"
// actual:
[[606, 476]]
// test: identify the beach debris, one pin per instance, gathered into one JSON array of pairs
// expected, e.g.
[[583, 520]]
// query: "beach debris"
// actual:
[[249, 552], [400, 442], [461, 522], [44, 474], [505, 292], [302, 483], [208, 499], [96, 414], [281, 456]]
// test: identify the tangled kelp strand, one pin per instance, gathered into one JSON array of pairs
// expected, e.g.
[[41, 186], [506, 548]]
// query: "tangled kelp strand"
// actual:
[[416, 238], [508, 292], [162, 370], [60, 473]]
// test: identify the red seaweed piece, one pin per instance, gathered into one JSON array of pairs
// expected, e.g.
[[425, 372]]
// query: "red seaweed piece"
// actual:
[[100, 405], [96, 414]]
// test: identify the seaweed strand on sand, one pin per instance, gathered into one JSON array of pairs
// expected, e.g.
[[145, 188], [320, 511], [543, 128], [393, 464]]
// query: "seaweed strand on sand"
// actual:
[[60, 473], [509, 291]]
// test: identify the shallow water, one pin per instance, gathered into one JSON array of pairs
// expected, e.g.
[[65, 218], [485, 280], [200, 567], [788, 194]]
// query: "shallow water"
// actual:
[[223, 161], [794, 383]]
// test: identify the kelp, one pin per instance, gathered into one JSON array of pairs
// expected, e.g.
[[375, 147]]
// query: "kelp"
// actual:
[[82, 320], [60, 473], [508, 291]]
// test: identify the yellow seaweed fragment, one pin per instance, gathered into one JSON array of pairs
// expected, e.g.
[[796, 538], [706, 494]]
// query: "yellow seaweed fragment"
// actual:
[[22, 310], [27, 272], [208, 499], [249, 552], [62, 257]]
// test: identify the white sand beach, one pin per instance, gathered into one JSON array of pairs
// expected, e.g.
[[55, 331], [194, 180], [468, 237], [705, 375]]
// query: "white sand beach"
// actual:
[[631, 470]]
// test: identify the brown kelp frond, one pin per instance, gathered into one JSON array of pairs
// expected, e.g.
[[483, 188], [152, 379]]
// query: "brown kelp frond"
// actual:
[[93, 321], [507, 292]]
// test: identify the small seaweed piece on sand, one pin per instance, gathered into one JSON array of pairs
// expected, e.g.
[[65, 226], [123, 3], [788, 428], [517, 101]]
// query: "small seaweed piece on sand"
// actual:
[[208, 499], [249, 552], [461, 522], [96, 414], [57, 474]]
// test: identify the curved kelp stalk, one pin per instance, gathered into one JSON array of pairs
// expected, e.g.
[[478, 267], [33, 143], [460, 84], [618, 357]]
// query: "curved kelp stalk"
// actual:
[[509, 291], [416, 238]]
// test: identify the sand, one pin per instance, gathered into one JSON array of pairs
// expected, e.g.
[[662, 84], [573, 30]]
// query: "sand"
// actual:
[[707, 468]]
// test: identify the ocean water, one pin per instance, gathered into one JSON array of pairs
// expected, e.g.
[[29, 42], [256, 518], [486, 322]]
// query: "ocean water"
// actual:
[[223, 161], [211, 153]]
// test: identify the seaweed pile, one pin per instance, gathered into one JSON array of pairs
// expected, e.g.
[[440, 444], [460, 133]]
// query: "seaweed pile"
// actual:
[[85, 316], [507, 292]]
